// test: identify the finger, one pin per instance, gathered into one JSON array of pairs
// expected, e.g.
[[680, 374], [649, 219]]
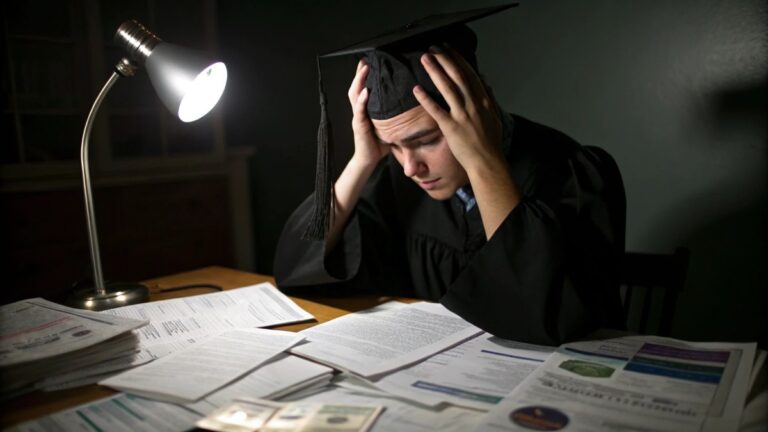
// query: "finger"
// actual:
[[360, 103], [432, 108], [447, 88], [452, 94], [359, 113], [358, 82], [447, 61], [470, 78]]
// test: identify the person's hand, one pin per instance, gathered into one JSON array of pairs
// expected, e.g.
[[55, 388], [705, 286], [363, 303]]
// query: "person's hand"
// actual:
[[368, 150], [472, 128]]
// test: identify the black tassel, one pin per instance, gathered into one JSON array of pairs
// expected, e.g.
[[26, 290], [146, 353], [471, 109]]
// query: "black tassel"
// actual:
[[319, 224]]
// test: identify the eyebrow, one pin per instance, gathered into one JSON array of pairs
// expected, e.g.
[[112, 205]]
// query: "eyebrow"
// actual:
[[407, 141]]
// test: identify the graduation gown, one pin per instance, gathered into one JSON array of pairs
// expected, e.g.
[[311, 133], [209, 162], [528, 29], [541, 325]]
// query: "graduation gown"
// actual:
[[549, 273]]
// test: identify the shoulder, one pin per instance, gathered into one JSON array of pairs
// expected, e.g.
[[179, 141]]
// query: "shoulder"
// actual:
[[539, 139]]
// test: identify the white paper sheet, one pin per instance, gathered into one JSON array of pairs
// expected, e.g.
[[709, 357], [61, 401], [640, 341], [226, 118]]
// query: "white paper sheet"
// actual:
[[282, 373], [173, 324], [265, 305], [476, 374], [188, 375], [374, 342], [119, 413]]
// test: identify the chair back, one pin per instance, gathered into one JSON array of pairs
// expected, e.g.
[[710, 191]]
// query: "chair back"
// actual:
[[650, 286]]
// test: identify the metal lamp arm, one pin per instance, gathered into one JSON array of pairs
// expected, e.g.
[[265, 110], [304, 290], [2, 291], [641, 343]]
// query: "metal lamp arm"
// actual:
[[93, 237]]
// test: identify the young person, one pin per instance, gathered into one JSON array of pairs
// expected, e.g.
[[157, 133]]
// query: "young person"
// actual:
[[510, 224]]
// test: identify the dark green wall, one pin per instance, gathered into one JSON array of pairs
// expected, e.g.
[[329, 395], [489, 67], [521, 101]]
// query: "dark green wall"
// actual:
[[674, 90]]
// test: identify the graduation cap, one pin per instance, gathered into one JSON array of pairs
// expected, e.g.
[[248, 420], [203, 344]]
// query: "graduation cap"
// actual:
[[393, 59]]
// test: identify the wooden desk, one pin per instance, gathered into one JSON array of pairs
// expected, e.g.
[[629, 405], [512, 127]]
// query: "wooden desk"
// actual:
[[39, 403]]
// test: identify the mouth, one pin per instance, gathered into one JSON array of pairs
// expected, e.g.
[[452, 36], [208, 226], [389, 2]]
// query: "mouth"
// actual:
[[429, 184]]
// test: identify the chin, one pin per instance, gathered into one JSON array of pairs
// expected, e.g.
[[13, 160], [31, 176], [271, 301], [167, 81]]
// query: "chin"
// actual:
[[442, 194]]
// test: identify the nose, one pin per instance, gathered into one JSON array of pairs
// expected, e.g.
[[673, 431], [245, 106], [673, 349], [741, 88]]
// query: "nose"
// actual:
[[412, 163]]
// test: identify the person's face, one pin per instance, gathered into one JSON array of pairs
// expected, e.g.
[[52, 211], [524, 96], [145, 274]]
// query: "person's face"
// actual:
[[418, 144]]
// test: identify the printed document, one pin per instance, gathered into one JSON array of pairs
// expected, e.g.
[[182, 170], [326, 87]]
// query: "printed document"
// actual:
[[279, 376], [188, 375], [373, 342], [632, 383], [476, 374], [119, 413]]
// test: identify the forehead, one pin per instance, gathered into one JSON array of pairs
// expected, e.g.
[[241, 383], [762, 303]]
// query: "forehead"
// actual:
[[404, 125]]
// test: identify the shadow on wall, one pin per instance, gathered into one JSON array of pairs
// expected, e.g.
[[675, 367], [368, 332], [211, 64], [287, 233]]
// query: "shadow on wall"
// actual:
[[726, 296]]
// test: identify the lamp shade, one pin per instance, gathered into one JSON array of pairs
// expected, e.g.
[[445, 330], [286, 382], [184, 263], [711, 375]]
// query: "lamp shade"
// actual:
[[188, 84]]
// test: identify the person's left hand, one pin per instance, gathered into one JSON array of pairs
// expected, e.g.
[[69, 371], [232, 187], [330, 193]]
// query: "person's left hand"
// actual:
[[472, 128]]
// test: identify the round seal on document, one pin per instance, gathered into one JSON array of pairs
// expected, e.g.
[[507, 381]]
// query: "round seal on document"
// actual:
[[539, 418]]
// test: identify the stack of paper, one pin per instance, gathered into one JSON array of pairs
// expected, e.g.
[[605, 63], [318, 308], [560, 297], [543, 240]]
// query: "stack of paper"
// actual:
[[41, 339], [178, 323]]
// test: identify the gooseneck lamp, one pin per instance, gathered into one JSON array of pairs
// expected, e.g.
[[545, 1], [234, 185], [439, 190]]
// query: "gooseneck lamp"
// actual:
[[189, 85]]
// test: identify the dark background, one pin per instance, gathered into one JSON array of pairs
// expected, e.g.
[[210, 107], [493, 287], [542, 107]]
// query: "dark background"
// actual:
[[675, 91]]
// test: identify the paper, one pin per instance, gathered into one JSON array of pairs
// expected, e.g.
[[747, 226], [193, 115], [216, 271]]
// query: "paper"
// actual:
[[282, 374], [476, 374], [188, 375], [632, 383], [265, 304], [175, 323], [41, 339], [178, 323], [35, 329], [119, 413], [374, 342]]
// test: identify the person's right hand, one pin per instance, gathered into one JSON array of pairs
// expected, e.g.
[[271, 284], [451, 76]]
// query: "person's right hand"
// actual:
[[368, 149]]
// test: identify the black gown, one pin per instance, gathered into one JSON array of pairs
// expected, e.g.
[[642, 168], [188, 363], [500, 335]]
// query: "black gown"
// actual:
[[549, 273]]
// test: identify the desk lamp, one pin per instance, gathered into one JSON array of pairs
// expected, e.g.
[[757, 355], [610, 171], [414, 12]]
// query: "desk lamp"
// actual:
[[190, 86]]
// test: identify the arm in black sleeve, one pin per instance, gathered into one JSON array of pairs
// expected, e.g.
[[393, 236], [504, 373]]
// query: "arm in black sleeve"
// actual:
[[550, 272], [367, 257]]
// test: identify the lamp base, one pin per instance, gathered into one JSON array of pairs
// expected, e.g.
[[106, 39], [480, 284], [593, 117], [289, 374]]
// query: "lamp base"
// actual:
[[115, 294]]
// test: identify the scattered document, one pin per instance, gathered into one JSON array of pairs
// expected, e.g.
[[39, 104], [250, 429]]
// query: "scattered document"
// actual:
[[41, 339], [188, 375], [265, 305], [282, 375], [477, 374], [119, 413], [175, 324], [373, 342], [191, 318], [633, 383]]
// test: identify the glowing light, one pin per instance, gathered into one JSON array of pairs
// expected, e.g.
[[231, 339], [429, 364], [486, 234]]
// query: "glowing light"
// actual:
[[120, 298], [203, 93]]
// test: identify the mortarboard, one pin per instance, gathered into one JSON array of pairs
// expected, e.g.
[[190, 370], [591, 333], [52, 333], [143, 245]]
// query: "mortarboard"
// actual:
[[395, 68]]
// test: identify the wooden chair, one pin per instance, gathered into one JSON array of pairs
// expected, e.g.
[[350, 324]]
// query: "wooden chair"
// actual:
[[650, 286]]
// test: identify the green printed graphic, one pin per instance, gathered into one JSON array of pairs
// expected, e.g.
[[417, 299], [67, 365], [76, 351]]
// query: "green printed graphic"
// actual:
[[587, 369]]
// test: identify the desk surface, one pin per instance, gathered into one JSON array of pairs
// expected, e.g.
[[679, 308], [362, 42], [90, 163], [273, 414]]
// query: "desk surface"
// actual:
[[38, 403]]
